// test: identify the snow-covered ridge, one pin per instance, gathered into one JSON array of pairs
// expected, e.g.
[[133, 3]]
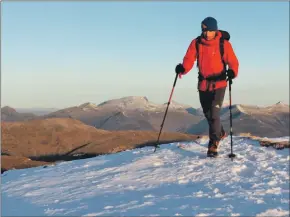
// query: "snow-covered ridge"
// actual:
[[129, 102], [138, 102], [177, 105], [258, 110], [88, 106], [168, 182], [142, 102]]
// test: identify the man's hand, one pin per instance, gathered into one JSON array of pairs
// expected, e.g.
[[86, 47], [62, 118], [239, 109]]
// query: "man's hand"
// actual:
[[179, 69], [230, 74]]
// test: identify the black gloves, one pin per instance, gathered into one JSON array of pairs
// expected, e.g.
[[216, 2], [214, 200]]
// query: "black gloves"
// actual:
[[179, 69], [230, 74]]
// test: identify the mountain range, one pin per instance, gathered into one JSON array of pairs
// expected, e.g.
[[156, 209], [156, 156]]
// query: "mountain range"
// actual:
[[138, 113], [270, 121]]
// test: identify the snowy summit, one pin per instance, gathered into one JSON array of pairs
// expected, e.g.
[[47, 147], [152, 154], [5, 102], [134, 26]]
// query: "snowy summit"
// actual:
[[170, 182], [129, 102], [88, 106]]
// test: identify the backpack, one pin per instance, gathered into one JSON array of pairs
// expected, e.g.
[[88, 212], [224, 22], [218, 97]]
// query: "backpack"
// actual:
[[225, 36]]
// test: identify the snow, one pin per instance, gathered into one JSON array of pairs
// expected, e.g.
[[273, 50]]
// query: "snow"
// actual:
[[88, 106], [130, 103], [140, 103], [169, 182]]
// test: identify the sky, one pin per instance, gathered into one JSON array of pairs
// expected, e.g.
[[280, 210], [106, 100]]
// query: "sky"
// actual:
[[61, 54]]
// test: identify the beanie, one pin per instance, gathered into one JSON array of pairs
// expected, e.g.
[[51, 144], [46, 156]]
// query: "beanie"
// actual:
[[209, 24]]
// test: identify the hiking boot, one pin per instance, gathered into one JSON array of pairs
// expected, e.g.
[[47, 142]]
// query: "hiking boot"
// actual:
[[212, 149]]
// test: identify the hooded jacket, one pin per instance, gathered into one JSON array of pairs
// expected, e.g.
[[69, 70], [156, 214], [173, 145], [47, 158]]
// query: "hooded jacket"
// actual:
[[210, 62]]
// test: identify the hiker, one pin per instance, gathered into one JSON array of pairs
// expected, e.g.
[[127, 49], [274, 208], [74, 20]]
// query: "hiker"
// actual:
[[207, 50]]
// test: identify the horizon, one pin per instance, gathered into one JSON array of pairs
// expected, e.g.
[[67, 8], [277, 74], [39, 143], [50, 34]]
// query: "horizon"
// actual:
[[150, 101], [63, 54]]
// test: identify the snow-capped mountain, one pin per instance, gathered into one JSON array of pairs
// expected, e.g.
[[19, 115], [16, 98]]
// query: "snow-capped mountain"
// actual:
[[131, 113], [88, 106], [129, 103], [138, 113]]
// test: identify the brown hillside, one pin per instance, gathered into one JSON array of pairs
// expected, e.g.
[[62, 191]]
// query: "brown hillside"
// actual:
[[17, 162], [57, 139]]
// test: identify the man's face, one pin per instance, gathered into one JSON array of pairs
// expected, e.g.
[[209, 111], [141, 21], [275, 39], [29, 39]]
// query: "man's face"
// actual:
[[209, 35]]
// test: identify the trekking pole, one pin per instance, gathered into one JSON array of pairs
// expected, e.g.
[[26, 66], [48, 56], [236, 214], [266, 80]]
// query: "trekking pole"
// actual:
[[231, 155], [157, 143]]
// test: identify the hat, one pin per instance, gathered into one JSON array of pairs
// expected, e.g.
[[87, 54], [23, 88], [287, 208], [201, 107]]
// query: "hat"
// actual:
[[209, 24]]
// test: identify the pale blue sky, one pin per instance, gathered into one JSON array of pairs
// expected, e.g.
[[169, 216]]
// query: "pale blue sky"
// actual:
[[60, 54]]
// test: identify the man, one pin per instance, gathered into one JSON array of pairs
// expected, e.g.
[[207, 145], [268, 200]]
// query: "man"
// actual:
[[213, 75]]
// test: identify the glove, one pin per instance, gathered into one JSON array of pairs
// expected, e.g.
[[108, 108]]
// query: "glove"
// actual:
[[230, 74], [179, 69]]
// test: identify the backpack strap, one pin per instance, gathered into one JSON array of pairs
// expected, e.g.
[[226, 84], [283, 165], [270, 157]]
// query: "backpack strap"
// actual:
[[197, 42], [222, 52]]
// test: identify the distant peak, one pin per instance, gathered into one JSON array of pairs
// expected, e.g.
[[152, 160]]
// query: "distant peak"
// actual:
[[8, 109], [127, 100], [134, 98], [281, 103], [88, 105], [175, 104]]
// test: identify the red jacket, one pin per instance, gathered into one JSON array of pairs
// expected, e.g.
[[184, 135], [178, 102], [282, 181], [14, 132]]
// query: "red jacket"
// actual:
[[210, 60]]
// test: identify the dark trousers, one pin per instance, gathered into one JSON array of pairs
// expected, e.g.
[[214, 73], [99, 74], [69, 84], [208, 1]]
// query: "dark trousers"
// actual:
[[211, 102]]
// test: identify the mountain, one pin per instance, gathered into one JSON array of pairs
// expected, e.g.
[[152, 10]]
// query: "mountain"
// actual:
[[138, 113], [131, 113], [36, 111], [270, 121], [10, 114], [169, 182]]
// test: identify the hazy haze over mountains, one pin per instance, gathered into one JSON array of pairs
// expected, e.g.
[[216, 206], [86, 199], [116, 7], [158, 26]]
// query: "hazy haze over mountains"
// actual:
[[36, 111]]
